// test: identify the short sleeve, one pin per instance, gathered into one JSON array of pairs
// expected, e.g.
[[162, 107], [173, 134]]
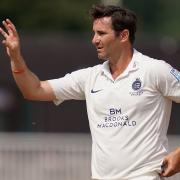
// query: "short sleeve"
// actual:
[[168, 80], [71, 86]]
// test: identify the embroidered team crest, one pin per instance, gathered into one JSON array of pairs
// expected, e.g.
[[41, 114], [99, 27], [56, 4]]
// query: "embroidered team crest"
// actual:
[[137, 87], [136, 84], [175, 73]]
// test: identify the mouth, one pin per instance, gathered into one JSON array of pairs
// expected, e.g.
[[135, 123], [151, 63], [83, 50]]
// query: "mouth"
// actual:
[[99, 48]]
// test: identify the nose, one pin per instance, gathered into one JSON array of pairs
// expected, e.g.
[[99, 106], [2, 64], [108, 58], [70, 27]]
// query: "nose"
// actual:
[[95, 39]]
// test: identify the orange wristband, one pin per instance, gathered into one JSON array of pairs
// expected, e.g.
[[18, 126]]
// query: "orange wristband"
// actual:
[[18, 71]]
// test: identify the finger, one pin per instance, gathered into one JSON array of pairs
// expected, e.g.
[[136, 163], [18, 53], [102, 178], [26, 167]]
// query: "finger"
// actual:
[[3, 33], [6, 26], [12, 27], [11, 31], [10, 22], [164, 164], [168, 172], [167, 169]]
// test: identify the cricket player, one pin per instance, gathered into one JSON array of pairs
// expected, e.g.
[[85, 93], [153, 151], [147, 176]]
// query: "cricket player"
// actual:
[[129, 97]]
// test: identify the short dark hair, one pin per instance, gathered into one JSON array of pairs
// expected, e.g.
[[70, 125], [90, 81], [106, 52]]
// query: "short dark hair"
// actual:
[[121, 18]]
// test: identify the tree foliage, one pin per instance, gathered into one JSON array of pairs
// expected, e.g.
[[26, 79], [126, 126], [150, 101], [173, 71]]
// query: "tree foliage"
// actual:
[[156, 17]]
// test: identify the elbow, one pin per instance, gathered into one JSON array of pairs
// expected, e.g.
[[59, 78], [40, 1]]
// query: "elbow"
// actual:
[[29, 96]]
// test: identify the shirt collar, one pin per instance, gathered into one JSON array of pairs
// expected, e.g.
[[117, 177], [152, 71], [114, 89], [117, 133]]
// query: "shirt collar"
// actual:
[[133, 65]]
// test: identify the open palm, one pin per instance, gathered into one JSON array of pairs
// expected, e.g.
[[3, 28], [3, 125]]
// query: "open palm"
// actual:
[[11, 40]]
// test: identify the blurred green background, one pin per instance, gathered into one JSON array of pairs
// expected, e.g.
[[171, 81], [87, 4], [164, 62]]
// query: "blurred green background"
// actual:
[[157, 17]]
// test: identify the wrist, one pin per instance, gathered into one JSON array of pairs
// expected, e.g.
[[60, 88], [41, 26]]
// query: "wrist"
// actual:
[[18, 65], [18, 71], [16, 58]]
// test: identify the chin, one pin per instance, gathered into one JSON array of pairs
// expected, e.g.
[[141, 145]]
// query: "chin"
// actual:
[[101, 57]]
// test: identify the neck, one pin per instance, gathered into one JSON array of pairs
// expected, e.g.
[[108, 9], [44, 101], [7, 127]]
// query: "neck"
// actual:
[[119, 63]]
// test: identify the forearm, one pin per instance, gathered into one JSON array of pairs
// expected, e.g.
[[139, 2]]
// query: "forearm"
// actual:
[[27, 81], [29, 84]]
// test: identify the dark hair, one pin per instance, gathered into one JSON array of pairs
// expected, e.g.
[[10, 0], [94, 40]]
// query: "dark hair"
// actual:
[[121, 18]]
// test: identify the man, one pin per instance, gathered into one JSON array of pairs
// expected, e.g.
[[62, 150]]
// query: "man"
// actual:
[[128, 98]]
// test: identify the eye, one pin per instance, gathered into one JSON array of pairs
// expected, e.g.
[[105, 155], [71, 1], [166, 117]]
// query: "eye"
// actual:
[[101, 33]]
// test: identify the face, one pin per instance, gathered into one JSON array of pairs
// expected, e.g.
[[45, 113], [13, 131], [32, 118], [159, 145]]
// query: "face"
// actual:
[[106, 42]]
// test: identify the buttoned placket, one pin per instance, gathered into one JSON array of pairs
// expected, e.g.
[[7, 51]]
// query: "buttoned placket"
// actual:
[[131, 67]]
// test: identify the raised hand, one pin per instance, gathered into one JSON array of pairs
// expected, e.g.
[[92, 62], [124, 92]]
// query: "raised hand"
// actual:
[[11, 39]]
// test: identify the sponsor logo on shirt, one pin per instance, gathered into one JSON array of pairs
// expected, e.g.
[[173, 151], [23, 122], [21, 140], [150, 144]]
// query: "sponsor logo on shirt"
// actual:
[[175, 73], [116, 118], [95, 91], [137, 88]]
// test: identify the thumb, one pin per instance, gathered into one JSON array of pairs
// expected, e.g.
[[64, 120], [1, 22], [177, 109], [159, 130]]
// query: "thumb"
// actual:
[[167, 169], [164, 165], [4, 42]]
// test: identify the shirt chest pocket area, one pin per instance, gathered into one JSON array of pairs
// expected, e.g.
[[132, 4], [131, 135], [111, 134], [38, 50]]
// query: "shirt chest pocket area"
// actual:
[[117, 96], [104, 98]]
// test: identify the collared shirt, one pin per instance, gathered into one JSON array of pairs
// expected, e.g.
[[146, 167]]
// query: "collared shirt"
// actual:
[[128, 116]]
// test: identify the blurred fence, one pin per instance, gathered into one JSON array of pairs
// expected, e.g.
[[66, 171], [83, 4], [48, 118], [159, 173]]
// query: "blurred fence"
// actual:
[[45, 156], [50, 156]]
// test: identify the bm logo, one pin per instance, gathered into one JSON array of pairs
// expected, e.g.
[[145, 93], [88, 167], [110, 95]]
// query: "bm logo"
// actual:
[[114, 111]]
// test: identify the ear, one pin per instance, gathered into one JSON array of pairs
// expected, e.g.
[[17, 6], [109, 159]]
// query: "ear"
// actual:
[[124, 35]]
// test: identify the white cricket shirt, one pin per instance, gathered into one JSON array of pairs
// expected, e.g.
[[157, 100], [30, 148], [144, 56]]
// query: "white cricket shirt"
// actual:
[[128, 117]]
